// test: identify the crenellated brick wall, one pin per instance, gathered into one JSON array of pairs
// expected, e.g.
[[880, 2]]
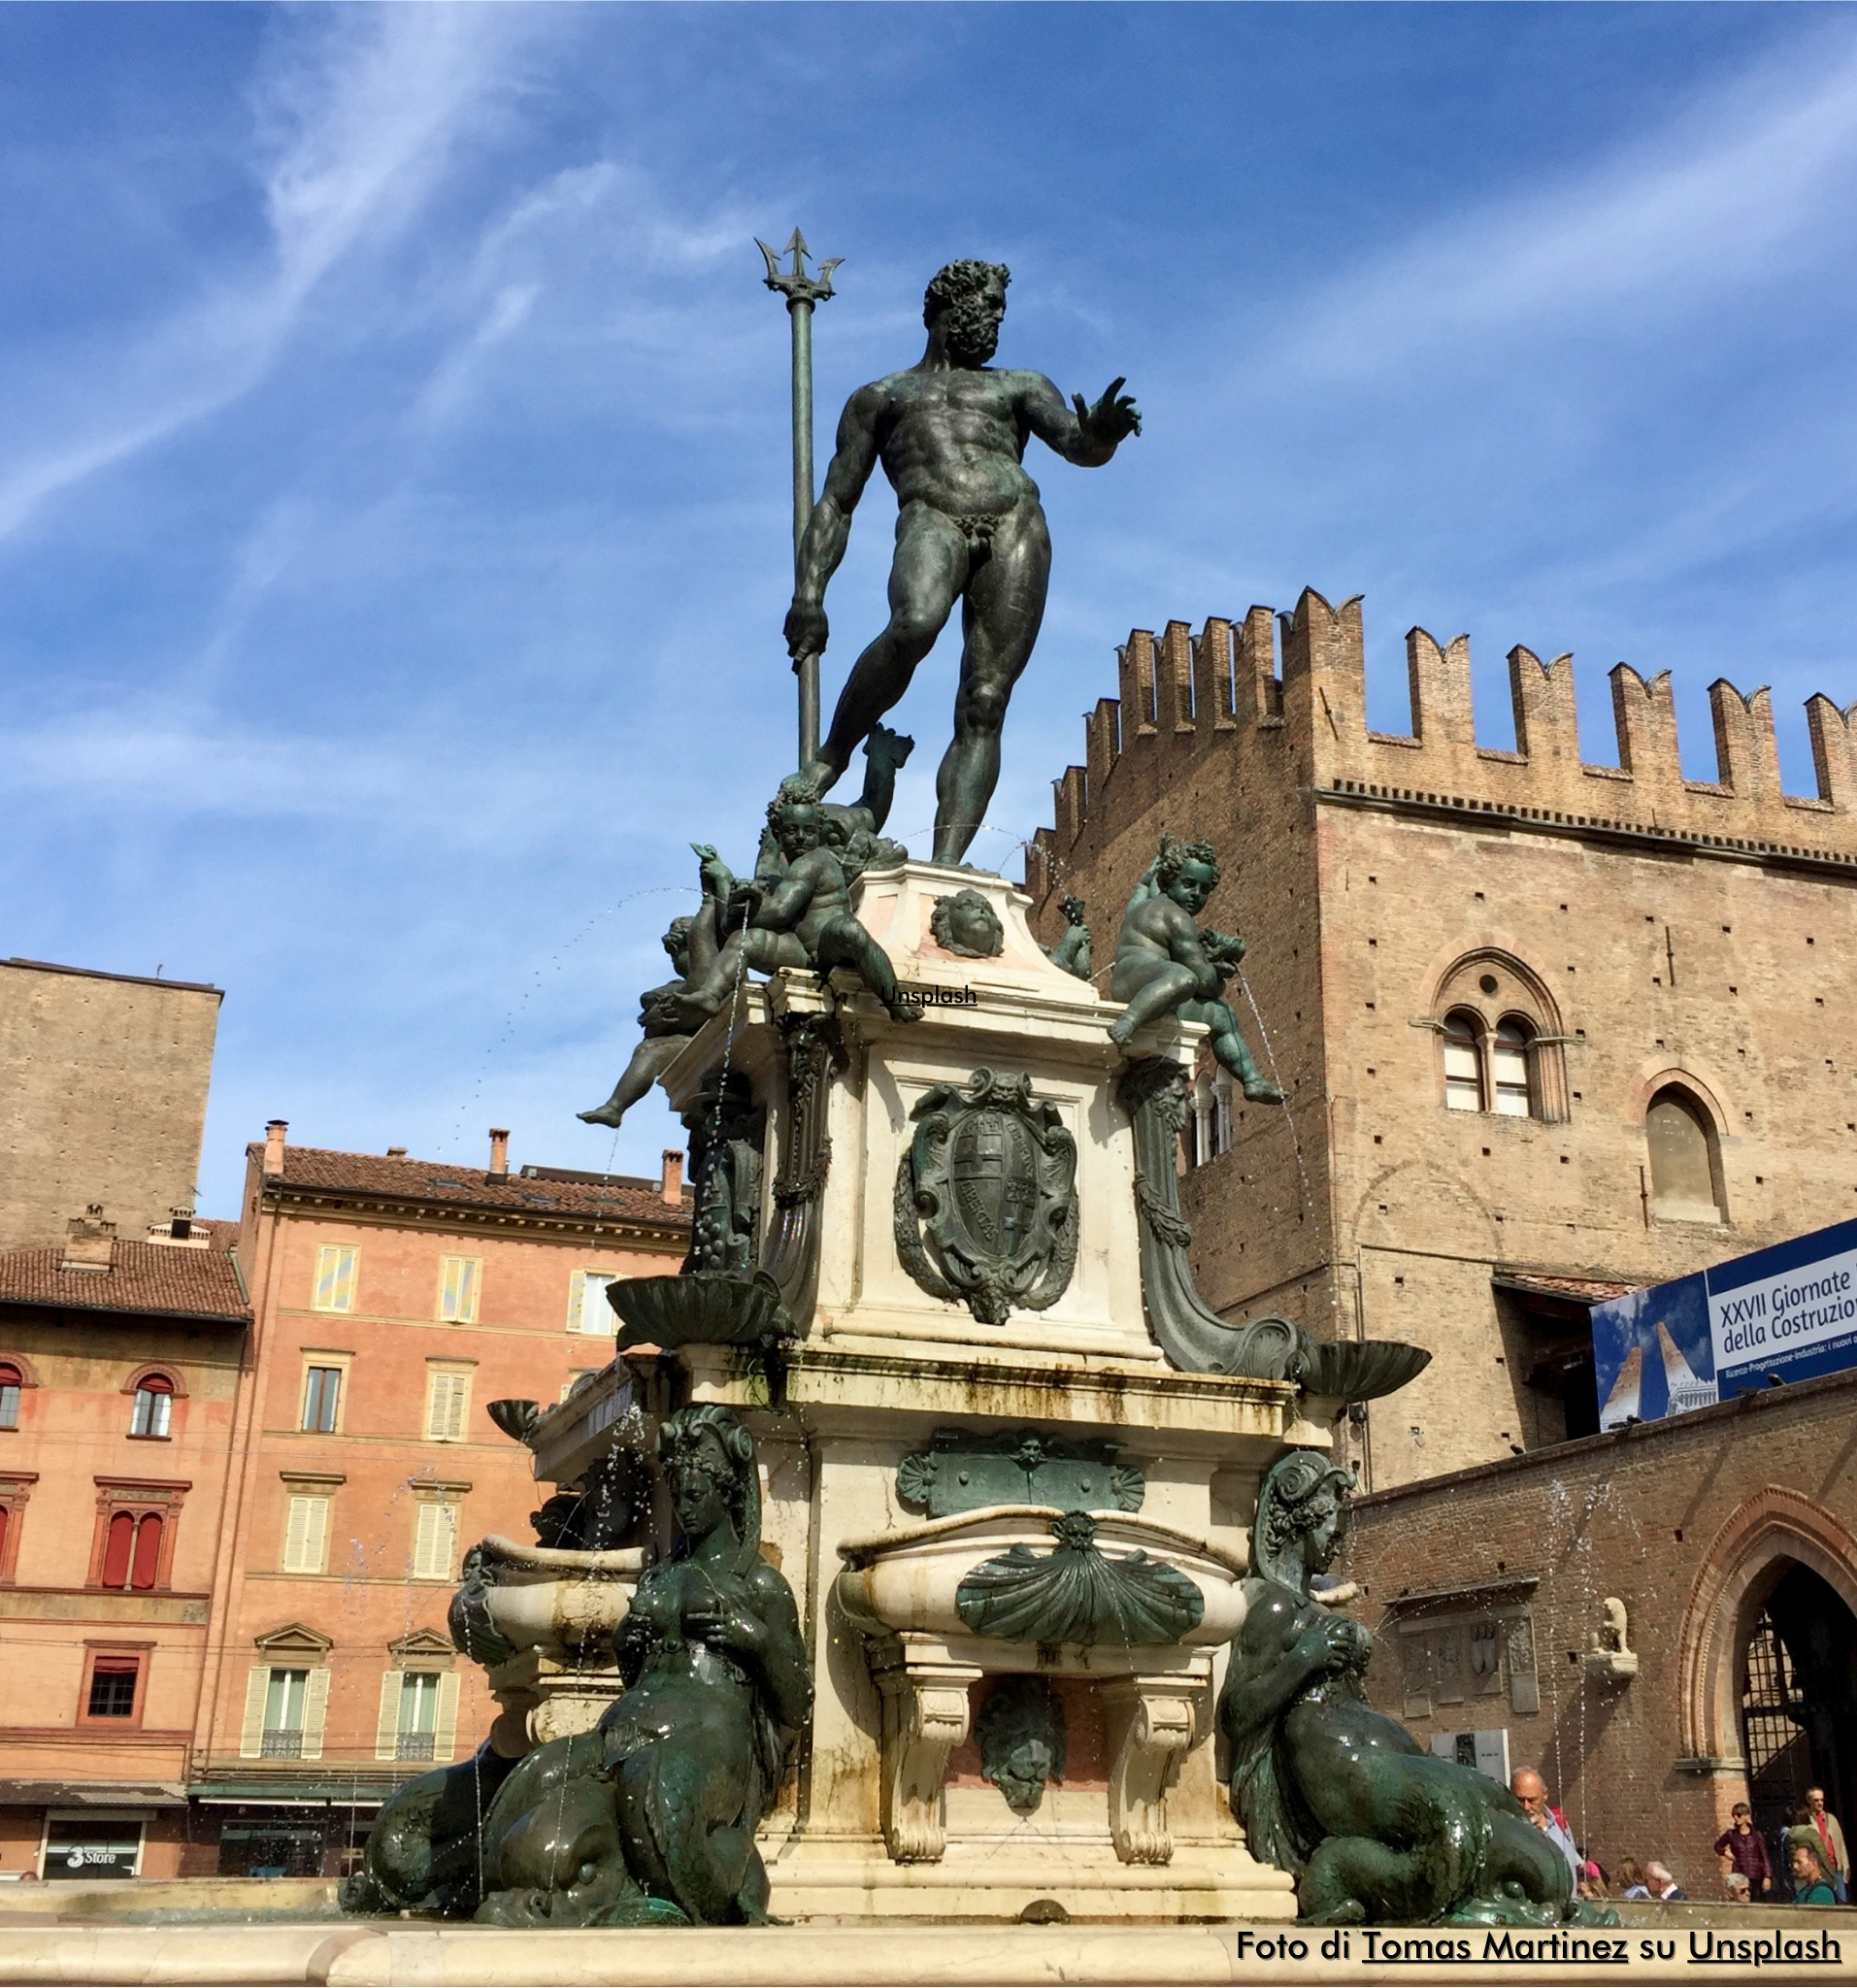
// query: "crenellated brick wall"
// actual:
[[1659, 929], [1188, 690]]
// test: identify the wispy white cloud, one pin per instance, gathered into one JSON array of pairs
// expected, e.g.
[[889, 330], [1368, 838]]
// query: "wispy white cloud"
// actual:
[[1714, 199], [358, 115]]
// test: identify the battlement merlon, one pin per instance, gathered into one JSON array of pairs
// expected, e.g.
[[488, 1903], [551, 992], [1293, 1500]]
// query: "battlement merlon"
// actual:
[[1302, 675]]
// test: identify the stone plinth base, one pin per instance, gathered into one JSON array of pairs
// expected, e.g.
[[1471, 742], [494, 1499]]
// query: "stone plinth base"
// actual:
[[389, 1954]]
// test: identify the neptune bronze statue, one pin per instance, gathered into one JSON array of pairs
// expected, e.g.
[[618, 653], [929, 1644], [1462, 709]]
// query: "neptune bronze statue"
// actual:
[[952, 433], [1373, 1827]]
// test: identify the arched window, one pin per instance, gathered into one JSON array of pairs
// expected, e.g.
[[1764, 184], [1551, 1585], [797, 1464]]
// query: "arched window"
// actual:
[[1510, 1066], [132, 1552], [11, 1382], [154, 1405], [1462, 1039], [1685, 1172]]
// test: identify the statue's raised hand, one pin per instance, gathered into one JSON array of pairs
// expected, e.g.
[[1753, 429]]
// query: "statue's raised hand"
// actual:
[[1112, 417], [807, 629]]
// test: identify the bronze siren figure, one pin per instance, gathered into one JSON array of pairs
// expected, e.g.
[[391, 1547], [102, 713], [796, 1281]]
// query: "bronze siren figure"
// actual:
[[950, 433]]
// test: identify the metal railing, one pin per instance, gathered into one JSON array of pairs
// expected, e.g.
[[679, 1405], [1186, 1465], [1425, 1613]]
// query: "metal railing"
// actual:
[[282, 1743]]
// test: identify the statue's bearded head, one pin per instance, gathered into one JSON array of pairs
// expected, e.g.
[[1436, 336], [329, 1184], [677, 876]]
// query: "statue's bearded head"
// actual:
[[968, 299]]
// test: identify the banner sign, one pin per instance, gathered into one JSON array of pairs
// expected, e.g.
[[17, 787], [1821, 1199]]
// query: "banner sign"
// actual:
[[1784, 1314]]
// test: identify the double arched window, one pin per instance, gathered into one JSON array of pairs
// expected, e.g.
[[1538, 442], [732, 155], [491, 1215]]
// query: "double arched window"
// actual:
[[1499, 1040], [132, 1550]]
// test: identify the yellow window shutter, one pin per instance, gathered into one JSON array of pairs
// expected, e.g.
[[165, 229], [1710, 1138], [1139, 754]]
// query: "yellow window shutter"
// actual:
[[251, 1732], [315, 1536], [444, 1737], [577, 1300], [315, 1711], [296, 1525], [387, 1733]]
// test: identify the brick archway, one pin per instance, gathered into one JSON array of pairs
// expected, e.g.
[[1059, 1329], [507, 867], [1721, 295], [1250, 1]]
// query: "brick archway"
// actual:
[[1760, 1538]]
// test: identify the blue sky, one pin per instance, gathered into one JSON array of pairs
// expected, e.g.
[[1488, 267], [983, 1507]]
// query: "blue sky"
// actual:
[[393, 492]]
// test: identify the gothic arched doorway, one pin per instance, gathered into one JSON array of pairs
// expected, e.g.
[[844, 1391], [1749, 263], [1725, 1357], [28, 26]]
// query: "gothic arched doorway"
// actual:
[[1799, 1698]]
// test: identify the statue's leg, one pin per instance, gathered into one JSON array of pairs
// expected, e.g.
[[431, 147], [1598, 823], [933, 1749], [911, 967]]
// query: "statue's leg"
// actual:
[[1170, 984], [652, 1055], [926, 579], [1229, 1047], [704, 996], [844, 942], [998, 624]]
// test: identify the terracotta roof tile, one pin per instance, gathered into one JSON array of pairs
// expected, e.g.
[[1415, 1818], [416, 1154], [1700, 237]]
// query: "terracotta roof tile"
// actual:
[[149, 1278], [1581, 1290], [316, 1169]]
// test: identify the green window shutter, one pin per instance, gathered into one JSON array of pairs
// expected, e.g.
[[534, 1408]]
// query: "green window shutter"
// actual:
[[387, 1731], [444, 1737], [251, 1732], [315, 1711]]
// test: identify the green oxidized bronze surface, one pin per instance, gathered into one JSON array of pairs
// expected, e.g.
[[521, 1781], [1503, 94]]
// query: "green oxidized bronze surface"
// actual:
[[699, 1310], [1165, 965], [1072, 952], [1152, 1091], [651, 1818], [1077, 1594], [985, 1201], [1023, 1740], [964, 1470], [951, 432], [1373, 1828]]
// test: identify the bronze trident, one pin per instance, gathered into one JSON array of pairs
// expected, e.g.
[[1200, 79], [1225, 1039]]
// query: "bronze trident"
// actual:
[[802, 292]]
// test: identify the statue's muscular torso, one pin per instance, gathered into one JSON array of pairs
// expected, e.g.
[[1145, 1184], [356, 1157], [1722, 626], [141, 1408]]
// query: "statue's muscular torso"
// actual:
[[954, 439]]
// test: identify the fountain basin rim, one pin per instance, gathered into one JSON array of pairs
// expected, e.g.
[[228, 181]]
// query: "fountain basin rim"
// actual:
[[507, 1557], [1114, 1528]]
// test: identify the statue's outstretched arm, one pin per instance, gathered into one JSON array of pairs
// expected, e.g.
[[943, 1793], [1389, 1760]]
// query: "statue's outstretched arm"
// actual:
[[1079, 433], [829, 529], [781, 905]]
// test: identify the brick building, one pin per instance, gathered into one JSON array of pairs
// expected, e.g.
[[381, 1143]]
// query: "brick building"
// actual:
[[1729, 1536], [1549, 1030], [103, 1096], [120, 1362], [392, 1300]]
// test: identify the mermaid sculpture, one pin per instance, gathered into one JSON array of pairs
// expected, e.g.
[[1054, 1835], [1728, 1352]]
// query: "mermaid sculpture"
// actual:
[[1373, 1827], [650, 1819]]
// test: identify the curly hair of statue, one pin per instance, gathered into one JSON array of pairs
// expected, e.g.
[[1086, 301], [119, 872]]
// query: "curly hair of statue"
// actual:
[[1291, 1501], [1176, 854], [955, 282], [797, 790], [682, 1439]]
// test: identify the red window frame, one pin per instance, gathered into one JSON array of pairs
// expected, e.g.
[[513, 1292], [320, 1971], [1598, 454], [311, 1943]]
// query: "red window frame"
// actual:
[[132, 1551], [16, 1492], [114, 1656]]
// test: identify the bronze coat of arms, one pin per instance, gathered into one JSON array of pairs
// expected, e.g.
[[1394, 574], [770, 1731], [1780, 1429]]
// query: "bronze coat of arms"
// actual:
[[987, 1198]]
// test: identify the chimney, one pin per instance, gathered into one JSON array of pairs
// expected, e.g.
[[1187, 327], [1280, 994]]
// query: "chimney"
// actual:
[[396, 1152], [671, 1177], [90, 1242], [499, 1155], [273, 1132]]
